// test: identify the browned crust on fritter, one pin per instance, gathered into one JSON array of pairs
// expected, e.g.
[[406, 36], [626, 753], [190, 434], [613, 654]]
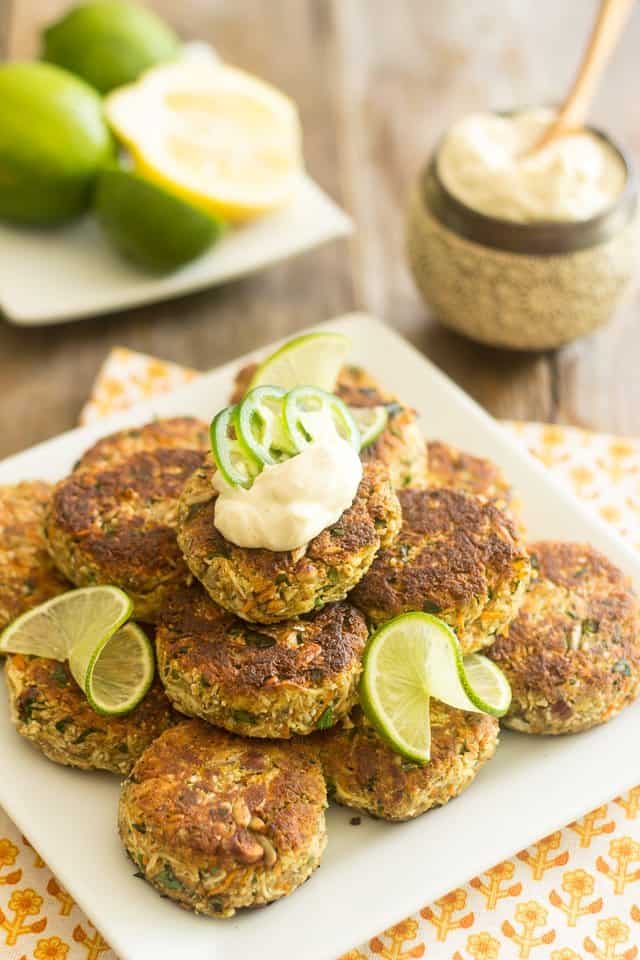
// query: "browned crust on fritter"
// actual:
[[171, 433], [363, 772], [450, 467], [324, 568], [452, 549], [572, 655], [117, 525], [267, 681], [225, 649], [28, 576], [50, 710], [207, 800]]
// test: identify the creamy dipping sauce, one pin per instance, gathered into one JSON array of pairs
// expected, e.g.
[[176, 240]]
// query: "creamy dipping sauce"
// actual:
[[291, 502], [482, 162]]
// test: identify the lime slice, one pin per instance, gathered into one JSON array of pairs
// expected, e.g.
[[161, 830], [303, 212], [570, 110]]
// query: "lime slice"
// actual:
[[118, 674], [70, 620], [311, 360], [486, 685], [412, 658], [111, 660], [370, 421]]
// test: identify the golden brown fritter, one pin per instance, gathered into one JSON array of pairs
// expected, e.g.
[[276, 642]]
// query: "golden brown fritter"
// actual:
[[260, 681], [217, 822], [363, 772], [27, 574], [50, 710], [456, 556], [447, 466], [400, 445], [572, 656], [266, 586], [113, 519], [173, 433]]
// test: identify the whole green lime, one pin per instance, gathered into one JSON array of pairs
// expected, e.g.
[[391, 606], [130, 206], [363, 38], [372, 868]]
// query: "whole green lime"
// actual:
[[109, 42], [53, 140], [150, 225]]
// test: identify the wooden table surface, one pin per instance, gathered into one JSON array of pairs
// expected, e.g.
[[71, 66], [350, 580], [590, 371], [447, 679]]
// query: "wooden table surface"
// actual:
[[376, 82]]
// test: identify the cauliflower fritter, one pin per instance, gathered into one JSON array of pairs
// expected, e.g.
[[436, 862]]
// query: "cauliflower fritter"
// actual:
[[363, 772], [572, 655], [260, 681], [266, 586], [456, 556], [50, 710], [113, 520], [217, 822]]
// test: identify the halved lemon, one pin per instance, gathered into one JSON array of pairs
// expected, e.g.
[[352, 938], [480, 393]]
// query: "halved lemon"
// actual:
[[214, 134]]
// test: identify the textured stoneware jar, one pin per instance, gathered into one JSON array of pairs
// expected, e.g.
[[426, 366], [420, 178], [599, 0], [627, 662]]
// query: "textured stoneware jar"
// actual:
[[518, 285]]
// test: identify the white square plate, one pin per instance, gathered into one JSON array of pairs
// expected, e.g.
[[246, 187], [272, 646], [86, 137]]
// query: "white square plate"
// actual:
[[374, 874], [53, 276]]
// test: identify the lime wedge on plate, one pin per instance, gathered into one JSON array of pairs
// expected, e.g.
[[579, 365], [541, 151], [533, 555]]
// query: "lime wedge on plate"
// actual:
[[412, 658], [111, 662], [370, 421], [312, 360]]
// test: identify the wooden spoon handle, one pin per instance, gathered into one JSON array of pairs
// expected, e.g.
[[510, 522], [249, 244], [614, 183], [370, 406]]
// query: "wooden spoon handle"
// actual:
[[612, 16]]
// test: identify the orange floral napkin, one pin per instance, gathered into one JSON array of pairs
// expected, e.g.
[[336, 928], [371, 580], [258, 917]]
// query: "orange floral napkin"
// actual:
[[574, 895]]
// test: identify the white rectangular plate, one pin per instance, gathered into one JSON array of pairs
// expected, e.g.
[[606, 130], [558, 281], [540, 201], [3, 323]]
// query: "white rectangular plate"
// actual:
[[53, 276], [374, 874]]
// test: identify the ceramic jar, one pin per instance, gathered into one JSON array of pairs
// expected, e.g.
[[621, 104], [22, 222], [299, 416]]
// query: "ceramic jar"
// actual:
[[523, 286]]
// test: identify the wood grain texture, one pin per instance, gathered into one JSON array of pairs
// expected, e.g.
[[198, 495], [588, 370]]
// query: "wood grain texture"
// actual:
[[377, 83]]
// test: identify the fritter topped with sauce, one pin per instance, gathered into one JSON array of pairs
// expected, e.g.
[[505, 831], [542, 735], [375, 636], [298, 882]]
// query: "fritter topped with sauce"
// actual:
[[265, 586], [400, 445], [28, 576], [50, 710], [572, 656], [217, 822], [260, 681], [456, 556], [113, 520]]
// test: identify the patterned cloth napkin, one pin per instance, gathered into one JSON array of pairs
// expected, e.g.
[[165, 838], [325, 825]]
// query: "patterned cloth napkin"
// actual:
[[571, 896]]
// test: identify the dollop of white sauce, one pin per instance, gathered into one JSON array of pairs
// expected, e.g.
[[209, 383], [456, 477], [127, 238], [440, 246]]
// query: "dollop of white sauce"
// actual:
[[291, 502], [483, 163]]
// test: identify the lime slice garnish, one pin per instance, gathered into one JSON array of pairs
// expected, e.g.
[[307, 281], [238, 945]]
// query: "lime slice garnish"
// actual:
[[486, 685], [77, 617], [111, 660], [370, 421], [313, 359], [310, 412], [118, 674], [233, 457], [412, 658]]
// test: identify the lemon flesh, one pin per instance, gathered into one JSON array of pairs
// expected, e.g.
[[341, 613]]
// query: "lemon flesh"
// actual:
[[53, 140], [216, 135], [108, 43], [150, 226]]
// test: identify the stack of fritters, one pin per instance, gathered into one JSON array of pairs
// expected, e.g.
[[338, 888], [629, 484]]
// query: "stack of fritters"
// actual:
[[263, 650]]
